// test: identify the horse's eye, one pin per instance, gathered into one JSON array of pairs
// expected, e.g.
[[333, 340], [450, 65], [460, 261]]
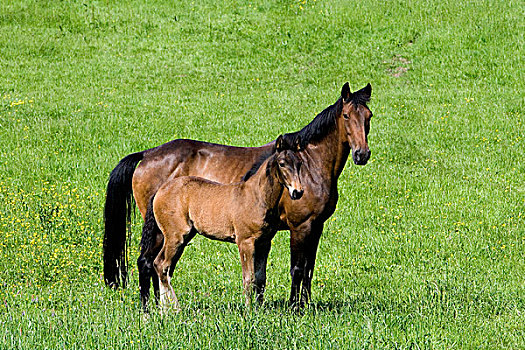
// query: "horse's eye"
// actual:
[[281, 165], [345, 116]]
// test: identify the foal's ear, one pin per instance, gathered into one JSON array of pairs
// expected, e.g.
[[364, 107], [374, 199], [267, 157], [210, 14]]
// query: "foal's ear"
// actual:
[[279, 143], [345, 92], [297, 144]]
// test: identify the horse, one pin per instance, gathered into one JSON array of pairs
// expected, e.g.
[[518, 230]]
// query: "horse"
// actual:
[[244, 213], [339, 131]]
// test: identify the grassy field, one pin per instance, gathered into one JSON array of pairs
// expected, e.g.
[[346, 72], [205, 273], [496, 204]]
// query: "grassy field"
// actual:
[[427, 246]]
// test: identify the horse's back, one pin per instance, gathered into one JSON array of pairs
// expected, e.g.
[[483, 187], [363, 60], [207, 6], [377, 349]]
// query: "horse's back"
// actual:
[[183, 157]]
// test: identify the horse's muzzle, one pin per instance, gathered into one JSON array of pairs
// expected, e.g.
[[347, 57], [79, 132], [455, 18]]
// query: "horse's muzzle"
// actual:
[[361, 156]]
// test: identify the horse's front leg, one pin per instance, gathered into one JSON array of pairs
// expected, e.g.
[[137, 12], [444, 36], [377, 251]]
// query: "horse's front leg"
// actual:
[[247, 252], [304, 240], [312, 242]]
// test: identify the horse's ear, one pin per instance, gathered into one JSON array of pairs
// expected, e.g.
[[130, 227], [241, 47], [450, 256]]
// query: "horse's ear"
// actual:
[[345, 92], [368, 89], [279, 143], [297, 144], [365, 93]]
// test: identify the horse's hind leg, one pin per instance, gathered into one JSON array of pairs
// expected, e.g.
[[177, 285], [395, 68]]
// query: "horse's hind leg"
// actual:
[[144, 282], [156, 287], [153, 273], [147, 273], [151, 243]]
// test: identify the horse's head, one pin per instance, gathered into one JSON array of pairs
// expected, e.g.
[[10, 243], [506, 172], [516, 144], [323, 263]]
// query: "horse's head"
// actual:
[[355, 117], [289, 165]]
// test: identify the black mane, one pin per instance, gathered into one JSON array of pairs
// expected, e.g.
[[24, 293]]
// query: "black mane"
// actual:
[[322, 124]]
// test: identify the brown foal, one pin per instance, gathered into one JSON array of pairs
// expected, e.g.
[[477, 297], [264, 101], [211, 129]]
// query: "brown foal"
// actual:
[[241, 213]]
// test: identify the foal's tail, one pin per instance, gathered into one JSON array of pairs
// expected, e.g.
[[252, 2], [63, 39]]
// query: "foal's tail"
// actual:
[[117, 218]]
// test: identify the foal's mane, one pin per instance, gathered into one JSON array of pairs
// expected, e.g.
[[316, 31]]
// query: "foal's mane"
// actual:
[[258, 164]]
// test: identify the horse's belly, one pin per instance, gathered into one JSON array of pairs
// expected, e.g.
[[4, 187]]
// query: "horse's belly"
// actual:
[[218, 236], [215, 228]]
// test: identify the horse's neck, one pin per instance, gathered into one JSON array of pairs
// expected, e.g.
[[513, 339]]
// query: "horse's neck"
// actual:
[[330, 153]]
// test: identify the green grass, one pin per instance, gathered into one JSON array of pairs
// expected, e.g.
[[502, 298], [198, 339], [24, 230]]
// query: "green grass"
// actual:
[[427, 246]]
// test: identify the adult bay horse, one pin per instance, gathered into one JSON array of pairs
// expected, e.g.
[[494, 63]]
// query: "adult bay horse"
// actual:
[[338, 131], [244, 213]]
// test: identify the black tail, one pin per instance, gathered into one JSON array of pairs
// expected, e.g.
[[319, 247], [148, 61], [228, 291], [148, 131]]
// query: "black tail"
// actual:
[[117, 218]]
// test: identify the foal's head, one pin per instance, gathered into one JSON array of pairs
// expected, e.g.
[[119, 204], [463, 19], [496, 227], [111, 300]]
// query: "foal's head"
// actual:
[[356, 120], [288, 166]]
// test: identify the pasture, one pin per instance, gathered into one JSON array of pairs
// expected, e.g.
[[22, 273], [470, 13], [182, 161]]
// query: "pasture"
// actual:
[[426, 248]]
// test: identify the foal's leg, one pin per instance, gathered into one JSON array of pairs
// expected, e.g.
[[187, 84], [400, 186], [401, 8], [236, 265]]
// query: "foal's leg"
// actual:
[[165, 263], [296, 267], [162, 265], [262, 249], [186, 239], [246, 251]]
